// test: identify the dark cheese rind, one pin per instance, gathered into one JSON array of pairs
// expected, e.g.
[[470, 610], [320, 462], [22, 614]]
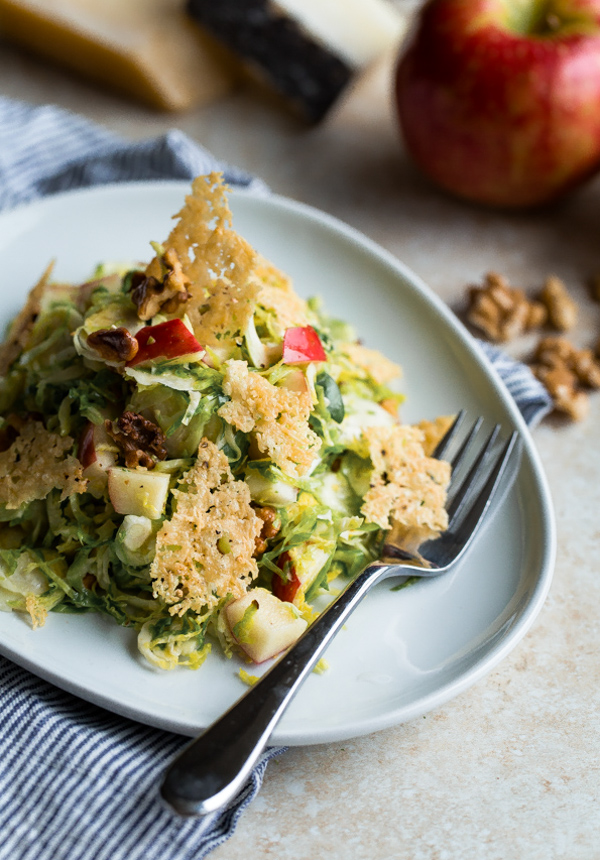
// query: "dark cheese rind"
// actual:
[[297, 66]]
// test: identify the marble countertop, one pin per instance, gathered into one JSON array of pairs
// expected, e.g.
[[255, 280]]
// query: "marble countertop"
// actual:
[[509, 769]]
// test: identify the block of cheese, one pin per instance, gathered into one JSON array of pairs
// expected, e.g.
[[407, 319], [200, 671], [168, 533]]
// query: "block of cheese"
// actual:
[[307, 50], [148, 49]]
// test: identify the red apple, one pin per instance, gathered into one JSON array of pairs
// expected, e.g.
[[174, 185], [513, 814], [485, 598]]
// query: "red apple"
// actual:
[[170, 339], [499, 100], [97, 454], [286, 589], [263, 625], [86, 450], [137, 492], [301, 345]]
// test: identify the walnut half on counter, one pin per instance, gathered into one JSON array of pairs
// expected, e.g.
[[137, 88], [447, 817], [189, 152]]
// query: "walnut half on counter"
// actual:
[[503, 312], [565, 371]]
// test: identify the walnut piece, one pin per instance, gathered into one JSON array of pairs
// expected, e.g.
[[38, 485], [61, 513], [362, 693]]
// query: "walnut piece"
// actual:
[[562, 310], [270, 527], [113, 344], [141, 441], [150, 294], [503, 312], [564, 370]]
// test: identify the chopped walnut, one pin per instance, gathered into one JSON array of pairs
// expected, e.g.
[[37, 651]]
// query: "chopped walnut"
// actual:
[[113, 344], [562, 387], [558, 350], [143, 288], [501, 311], [586, 368], [270, 527], [537, 316], [562, 310], [563, 369], [151, 295], [141, 441]]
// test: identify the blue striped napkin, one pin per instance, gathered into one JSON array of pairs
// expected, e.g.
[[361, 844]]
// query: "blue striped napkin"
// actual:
[[76, 782]]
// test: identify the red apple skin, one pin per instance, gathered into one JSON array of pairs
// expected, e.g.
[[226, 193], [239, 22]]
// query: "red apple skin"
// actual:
[[301, 345], [499, 117], [95, 457], [286, 589], [169, 339], [86, 450]]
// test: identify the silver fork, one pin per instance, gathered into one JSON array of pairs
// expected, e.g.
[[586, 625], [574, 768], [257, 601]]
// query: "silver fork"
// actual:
[[212, 769]]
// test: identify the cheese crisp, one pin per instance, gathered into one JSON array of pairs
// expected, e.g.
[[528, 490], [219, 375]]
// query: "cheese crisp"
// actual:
[[193, 449], [407, 487], [36, 463], [278, 418], [205, 551]]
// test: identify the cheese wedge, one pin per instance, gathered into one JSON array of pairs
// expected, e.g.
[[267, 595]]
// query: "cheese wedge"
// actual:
[[306, 50], [148, 49]]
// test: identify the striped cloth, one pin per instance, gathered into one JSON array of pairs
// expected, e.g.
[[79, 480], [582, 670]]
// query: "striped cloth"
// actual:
[[529, 394], [76, 782], [44, 150]]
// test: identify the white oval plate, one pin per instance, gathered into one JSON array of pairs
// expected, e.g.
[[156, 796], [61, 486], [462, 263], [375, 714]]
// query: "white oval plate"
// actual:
[[402, 653]]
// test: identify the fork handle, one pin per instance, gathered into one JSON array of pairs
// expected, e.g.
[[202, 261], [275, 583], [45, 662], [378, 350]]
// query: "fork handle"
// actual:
[[211, 770]]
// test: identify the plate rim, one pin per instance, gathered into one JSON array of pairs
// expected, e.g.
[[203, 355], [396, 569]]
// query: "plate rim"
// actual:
[[412, 281]]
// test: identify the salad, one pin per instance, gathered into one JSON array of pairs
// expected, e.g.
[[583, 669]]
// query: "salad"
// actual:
[[191, 448]]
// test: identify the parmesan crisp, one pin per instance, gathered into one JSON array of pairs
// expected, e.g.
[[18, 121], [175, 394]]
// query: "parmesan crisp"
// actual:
[[372, 362], [37, 462], [205, 551], [217, 261], [23, 323], [407, 487], [434, 431], [278, 418], [276, 294], [37, 611]]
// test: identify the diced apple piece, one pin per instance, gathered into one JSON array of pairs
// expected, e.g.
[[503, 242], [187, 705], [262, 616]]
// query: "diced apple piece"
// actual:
[[263, 625], [96, 446], [295, 381], [97, 453], [301, 345], [141, 494], [301, 565], [286, 589], [86, 452], [170, 339]]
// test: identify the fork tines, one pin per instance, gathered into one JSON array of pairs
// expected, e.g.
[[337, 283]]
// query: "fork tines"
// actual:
[[484, 465]]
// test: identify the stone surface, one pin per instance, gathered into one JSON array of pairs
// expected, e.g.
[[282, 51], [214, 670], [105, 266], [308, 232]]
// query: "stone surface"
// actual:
[[509, 770]]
